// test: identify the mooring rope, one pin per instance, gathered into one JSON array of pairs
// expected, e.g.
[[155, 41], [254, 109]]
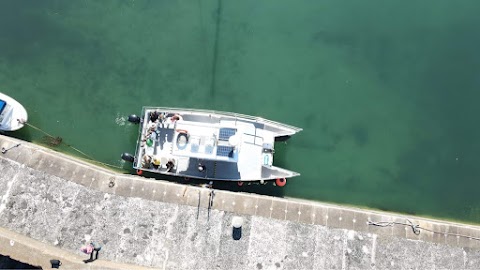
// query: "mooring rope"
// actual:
[[417, 228], [105, 164], [90, 158], [32, 126]]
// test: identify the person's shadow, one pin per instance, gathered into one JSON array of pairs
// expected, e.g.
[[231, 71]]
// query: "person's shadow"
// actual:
[[91, 256]]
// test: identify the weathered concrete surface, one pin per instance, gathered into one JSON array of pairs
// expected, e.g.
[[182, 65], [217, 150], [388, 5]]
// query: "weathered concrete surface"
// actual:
[[25, 249], [9, 263], [48, 198]]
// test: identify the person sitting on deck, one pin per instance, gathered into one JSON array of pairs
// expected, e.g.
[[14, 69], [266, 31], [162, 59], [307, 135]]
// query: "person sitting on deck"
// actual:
[[154, 116], [176, 117], [170, 165], [146, 161]]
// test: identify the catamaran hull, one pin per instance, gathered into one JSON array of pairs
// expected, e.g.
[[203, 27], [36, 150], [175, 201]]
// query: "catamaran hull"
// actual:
[[209, 145]]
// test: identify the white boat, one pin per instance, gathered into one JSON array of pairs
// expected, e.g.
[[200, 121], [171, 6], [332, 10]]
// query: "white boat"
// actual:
[[12, 114], [209, 145]]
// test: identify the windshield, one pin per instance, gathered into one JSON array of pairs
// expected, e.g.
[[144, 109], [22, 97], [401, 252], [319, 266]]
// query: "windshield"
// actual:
[[3, 104]]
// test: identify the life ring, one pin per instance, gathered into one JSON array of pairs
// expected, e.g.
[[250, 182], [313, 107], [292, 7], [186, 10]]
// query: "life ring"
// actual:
[[182, 145], [240, 183], [182, 131], [281, 182], [139, 172]]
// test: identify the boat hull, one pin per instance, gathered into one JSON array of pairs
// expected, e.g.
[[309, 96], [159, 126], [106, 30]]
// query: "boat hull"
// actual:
[[209, 145], [13, 115]]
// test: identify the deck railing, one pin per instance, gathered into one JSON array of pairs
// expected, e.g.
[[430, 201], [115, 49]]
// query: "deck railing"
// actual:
[[236, 115]]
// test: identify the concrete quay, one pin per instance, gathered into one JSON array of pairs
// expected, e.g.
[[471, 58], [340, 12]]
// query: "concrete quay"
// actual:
[[51, 204]]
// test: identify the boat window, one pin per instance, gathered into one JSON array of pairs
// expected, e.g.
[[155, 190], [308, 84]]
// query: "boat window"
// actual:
[[3, 104]]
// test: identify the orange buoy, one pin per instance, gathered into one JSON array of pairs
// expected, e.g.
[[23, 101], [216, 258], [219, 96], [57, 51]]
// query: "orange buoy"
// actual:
[[139, 172], [240, 183], [281, 182]]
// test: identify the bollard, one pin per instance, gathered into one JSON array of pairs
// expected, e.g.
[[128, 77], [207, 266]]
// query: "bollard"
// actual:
[[55, 263], [237, 223]]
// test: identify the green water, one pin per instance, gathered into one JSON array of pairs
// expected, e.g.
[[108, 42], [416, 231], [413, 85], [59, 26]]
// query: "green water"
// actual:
[[386, 91]]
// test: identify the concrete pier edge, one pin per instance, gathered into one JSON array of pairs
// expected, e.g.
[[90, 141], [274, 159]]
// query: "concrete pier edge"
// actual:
[[36, 253], [285, 209]]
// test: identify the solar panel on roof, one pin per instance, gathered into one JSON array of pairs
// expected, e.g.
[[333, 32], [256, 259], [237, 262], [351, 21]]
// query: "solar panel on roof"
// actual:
[[226, 133], [224, 151]]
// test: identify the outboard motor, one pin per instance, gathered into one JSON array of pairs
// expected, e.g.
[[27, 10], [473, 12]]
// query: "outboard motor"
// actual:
[[128, 157], [134, 119]]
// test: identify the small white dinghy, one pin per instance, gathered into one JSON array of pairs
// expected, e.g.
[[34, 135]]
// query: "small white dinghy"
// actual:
[[12, 114]]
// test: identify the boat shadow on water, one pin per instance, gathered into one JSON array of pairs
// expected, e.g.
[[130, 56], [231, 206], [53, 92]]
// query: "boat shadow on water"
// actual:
[[249, 187], [23, 134]]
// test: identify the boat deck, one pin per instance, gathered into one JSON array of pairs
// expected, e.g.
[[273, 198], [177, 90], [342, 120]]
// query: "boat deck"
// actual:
[[224, 152], [209, 146]]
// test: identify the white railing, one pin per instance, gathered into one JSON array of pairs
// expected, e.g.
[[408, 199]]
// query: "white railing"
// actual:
[[231, 114]]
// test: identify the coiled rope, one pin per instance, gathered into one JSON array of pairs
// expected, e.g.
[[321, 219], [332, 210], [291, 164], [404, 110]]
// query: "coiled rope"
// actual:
[[90, 158], [417, 228]]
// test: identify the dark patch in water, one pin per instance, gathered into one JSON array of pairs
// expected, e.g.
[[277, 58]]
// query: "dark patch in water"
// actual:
[[328, 148], [334, 39], [384, 172], [336, 138], [359, 134]]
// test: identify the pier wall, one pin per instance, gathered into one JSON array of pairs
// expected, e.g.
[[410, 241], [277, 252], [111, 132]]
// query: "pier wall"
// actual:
[[51, 204]]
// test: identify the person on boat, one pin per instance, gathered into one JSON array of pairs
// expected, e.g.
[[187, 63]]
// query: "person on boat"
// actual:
[[176, 117], [146, 161], [154, 116], [170, 165], [148, 135], [156, 162]]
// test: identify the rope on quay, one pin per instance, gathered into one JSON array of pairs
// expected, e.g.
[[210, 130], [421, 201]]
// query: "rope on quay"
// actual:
[[90, 158], [417, 228]]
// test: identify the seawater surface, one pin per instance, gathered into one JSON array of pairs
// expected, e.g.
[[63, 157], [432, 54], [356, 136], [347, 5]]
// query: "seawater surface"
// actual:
[[387, 92]]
